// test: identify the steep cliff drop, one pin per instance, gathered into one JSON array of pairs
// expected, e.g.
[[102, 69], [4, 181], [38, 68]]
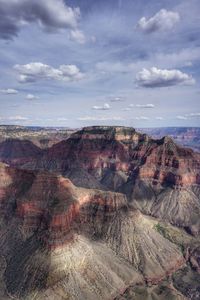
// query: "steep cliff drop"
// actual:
[[159, 177]]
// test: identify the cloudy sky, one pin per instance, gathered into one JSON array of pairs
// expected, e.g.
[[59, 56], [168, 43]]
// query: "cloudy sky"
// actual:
[[83, 62]]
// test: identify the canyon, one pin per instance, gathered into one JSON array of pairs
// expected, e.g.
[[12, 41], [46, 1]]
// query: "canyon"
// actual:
[[185, 136], [108, 213]]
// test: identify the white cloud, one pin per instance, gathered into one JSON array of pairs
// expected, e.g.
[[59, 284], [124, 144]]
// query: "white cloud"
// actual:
[[162, 78], [51, 15], [106, 106], [142, 118], [181, 117], [162, 20], [38, 71], [149, 105], [193, 115], [18, 118], [9, 91], [129, 108], [31, 97], [188, 116], [62, 119], [117, 99], [77, 36], [89, 118], [159, 118]]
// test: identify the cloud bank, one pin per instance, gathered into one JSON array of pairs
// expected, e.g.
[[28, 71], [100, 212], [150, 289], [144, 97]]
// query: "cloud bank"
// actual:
[[31, 97], [18, 118], [117, 99], [162, 20], [9, 91], [106, 106], [154, 78], [188, 116], [149, 105], [35, 71], [51, 15]]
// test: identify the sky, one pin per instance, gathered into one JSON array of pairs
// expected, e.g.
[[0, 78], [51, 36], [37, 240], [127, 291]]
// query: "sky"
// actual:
[[79, 63]]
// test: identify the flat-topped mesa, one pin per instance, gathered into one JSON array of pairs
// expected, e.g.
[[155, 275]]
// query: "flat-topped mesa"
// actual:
[[106, 157], [94, 149], [117, 133]]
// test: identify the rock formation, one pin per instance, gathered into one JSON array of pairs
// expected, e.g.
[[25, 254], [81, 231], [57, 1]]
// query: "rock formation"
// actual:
[[77, 220], [159, 177], [185, 136], [18, 152], [60, 240]]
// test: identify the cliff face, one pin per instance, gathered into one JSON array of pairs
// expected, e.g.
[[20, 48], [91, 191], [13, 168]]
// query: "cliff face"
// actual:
[[19, 152], [71, 218], [119, 149], [185, 136], [58, 239], [159, 177], [99, 150]]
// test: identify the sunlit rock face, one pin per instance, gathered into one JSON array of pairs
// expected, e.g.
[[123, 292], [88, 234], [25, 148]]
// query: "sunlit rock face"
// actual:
[[158, 177], [168, 163], [58, 239], [71, 218], [101, 150]]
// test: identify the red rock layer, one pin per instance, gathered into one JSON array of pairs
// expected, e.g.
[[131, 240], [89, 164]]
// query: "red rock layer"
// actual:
[[46, 207], [170, 164], [51, 204], [19, 152], [118, 149], [97, 149]]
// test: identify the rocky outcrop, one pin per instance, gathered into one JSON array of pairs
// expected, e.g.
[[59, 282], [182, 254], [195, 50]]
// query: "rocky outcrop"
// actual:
[[159, 177], [194, 255], [119, 149], [65, 241], [185, 136], [19, 152]]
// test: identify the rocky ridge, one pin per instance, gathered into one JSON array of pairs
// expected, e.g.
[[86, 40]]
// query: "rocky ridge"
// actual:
[[159, 177], [76, 215], [65, 240]]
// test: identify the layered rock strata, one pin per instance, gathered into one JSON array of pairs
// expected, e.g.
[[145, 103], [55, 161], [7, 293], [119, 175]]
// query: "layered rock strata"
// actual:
[[59, 241]]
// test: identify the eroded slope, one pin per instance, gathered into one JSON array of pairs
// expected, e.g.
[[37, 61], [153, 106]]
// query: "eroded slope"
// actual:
[[60, 241]]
